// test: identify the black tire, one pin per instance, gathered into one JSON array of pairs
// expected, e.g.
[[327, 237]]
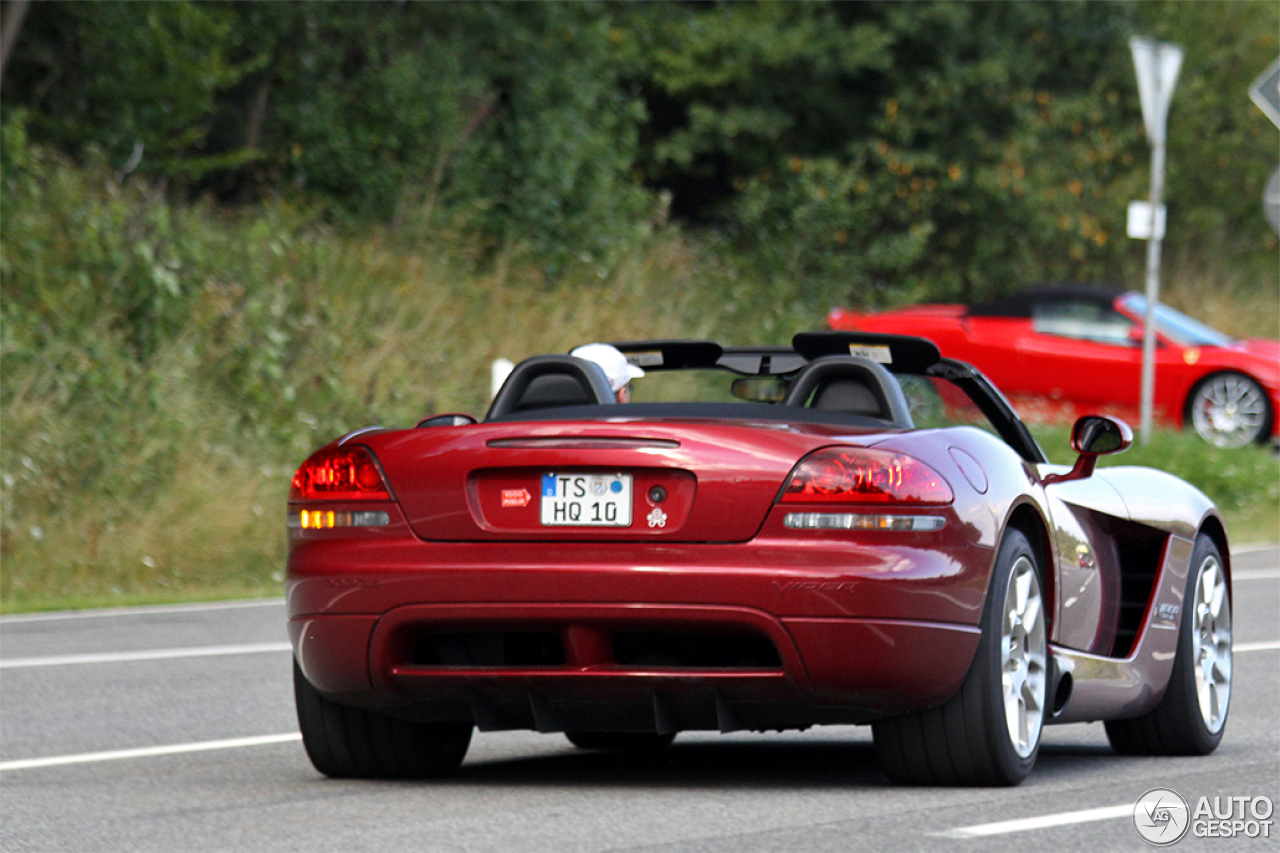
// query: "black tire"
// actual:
[[351, 743], [634, 742], [1230, 410], [1181, 724], [968, 740]]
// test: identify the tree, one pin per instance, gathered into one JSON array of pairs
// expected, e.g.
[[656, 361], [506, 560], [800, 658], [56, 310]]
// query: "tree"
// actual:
[[865, 147], [15, 11], [137, 81]]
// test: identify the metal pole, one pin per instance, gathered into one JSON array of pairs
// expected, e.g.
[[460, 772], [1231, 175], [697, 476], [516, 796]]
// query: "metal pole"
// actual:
[[1148, 394], [1157, 65]]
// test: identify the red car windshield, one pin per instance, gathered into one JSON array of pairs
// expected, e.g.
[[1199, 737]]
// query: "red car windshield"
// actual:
[[1174, 324]]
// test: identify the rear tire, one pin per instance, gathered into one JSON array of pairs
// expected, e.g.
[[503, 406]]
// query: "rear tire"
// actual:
[[989, 732], [634, 742], [351, 743], [1192, 714]]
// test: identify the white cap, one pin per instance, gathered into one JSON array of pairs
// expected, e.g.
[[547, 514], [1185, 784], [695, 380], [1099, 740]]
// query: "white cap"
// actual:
[[617, 369]]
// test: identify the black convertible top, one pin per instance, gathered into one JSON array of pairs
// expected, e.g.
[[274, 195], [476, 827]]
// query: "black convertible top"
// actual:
[[1020, 304]]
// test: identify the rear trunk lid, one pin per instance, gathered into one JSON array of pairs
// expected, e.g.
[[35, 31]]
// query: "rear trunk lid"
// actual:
[[710, 481]]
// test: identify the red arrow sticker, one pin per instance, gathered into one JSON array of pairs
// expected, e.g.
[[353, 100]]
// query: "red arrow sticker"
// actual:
[[515, 497]]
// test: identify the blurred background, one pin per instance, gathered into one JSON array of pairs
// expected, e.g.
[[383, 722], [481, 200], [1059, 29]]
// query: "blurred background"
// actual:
[[232, 231]]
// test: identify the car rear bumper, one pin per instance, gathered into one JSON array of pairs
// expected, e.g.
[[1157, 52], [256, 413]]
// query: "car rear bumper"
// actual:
[[675, 637], [866, 667]]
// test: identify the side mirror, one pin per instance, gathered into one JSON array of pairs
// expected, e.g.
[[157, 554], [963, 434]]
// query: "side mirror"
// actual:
[[1091, 437], [1136, 334], [1097, 435]]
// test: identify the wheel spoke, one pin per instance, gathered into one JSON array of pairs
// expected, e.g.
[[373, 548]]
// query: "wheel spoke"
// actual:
[[1023, 650], [1211, 644], [1031, 615]]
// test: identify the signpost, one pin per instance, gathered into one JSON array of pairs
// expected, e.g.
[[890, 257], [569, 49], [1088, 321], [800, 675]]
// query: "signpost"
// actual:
[[1157, 65], [1265, 92]]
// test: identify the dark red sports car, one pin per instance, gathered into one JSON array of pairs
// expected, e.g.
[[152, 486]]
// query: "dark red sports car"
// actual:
[[850, 530], [1079, 348]]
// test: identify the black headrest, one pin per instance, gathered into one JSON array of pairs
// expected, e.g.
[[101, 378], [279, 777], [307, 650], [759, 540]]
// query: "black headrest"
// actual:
[[883, 387], [551, 380]]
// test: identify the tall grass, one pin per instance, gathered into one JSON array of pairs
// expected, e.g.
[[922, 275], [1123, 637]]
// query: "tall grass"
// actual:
[[166, 367], [1231, 297]]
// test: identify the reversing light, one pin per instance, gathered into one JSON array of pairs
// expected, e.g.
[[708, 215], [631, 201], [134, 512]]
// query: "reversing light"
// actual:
[[327, 519], [855, 521], [339, 474], [863, 475]]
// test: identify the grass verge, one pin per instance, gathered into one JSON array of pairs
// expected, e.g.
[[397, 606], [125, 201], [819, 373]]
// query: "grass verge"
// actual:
[[165, 370]]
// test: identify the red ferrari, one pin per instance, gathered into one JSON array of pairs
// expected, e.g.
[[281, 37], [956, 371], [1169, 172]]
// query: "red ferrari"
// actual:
[[849, 530], [1080, 349]]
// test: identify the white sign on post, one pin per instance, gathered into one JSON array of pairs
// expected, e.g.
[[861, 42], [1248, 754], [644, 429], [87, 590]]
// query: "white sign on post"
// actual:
[[1138, 226], [1157, 65]]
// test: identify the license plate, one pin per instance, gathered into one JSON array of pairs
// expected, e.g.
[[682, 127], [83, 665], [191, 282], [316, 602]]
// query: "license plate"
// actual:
[[586, 500]]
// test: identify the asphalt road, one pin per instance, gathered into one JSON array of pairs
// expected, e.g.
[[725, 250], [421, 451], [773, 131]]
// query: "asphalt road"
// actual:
[[172, 729]]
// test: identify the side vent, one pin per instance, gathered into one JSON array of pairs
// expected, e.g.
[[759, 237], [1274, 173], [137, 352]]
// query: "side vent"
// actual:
[[1139, 565]]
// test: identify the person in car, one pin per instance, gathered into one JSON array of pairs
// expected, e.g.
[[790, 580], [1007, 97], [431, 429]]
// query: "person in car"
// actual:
[[616, 368]]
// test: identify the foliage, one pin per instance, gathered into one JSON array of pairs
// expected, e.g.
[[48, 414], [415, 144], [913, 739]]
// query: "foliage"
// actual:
[[133, 471], [957, 145], [234, 230], [135, 81], [141, 473], [876, 151]]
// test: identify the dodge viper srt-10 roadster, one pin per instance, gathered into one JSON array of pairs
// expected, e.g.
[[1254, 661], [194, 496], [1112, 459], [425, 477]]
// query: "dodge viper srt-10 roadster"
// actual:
[[1080, 348], [848, 530]]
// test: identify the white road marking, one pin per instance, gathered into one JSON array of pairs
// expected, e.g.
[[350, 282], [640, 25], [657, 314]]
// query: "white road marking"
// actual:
[[145, 654], [143, 610], [147, 752], [1256, 647], [1043, 822], [1255, 574], [1253, 548]]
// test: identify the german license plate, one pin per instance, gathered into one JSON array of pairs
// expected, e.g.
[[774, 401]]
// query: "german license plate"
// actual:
[[586, 500]]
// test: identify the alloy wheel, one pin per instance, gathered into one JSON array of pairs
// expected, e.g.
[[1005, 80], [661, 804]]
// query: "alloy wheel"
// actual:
[[1211, 644], [1229, 410], [1024, 657]]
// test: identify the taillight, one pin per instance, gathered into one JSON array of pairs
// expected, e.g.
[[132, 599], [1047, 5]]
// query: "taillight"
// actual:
[[850, 475], [340, 474]]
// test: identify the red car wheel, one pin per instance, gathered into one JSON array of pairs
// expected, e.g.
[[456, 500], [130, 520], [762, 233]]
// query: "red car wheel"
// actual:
[[1229, 410]]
